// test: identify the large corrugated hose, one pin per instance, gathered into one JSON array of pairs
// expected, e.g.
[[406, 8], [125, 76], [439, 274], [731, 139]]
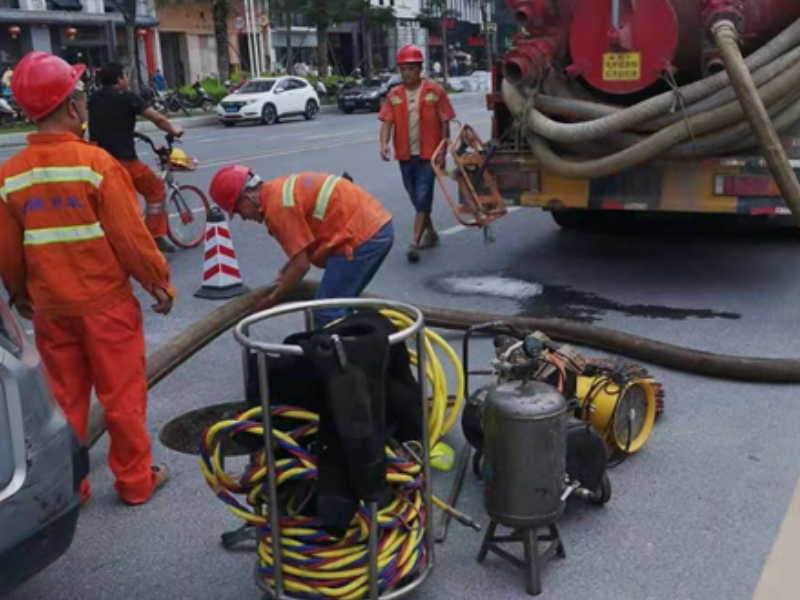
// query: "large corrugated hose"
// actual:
[[660, 106], [705, 118], [727, 39], [188, 342]]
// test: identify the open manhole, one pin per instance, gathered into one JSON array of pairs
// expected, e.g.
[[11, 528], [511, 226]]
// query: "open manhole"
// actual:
[[182, 433]]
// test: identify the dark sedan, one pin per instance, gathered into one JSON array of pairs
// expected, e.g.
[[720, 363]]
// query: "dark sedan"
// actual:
[[367, 95]]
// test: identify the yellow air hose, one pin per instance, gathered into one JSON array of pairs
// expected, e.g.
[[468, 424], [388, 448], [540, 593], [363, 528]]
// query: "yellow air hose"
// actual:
[[317, 563]]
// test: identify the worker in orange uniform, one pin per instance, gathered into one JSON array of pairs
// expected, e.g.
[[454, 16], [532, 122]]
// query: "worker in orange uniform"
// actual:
[[417, 116], [112, 120], [318, 219], [70, 238]]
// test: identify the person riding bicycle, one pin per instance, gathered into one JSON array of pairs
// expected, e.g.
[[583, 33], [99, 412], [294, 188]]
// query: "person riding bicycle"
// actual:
[[112, 121]]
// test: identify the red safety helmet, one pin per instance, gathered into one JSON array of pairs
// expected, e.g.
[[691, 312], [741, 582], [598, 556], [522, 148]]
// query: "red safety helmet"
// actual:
[[42, 81], [409, 54], [227, 185]]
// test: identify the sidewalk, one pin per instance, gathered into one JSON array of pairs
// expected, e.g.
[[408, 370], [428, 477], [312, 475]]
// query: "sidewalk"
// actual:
[[780, 578], [10, 140], [18, 138]]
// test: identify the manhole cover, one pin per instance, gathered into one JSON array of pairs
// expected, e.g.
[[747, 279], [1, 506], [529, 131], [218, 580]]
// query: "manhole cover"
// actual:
[[182, 433]]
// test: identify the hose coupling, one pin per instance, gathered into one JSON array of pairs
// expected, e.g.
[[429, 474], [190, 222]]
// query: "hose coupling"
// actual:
[[717, 11]]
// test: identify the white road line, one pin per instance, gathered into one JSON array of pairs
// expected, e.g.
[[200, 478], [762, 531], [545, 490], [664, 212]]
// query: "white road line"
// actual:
[[457, 228], [236, 159]]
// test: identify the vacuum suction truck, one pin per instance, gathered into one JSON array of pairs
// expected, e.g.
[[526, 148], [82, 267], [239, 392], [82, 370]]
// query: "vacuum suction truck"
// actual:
[[689, 106]]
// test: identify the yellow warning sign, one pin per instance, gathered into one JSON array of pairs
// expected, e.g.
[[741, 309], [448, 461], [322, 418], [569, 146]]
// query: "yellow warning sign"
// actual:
[[622, 66]]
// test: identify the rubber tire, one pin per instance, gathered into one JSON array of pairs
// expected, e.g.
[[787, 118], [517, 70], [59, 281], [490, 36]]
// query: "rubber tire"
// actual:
[[602, 494], [264, 119], [174, 237], [312, 110], [571, 218]]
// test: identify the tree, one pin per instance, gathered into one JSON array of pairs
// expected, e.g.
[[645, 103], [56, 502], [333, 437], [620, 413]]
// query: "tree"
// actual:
[[373, 19], [285, 11], [436, 15], [128, 10], [220, 10]]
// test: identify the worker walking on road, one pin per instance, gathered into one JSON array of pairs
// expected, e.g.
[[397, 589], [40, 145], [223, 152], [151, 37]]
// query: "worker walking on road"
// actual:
[[112, 120], [318, 219], [70, 238], [417, 116]]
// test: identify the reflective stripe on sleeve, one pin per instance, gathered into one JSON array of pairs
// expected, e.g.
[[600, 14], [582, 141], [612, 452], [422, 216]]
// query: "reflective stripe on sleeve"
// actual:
[[50, 175], [324, 196], [288, 191], [59, 235]]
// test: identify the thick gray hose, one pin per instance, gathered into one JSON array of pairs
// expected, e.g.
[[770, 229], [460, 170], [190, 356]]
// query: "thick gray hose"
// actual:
[[727, 39], [561, 99], [760, 77], [657, 106], [785, 113], [658, 143]]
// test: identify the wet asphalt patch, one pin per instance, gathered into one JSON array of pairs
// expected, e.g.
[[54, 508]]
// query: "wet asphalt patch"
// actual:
[[560, 301]]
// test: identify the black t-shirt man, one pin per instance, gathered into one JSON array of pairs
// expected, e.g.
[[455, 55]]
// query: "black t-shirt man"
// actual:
[[112, 120]]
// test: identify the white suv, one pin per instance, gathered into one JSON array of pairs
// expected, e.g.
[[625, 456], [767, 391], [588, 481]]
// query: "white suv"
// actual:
[[268, 99]]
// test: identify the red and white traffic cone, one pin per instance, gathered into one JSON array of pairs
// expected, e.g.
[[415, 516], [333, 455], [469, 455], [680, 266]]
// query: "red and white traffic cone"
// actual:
[[221, 275]]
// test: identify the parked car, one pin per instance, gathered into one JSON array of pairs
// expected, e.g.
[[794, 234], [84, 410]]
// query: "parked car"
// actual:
[[41, 464], [369, 94], [267, 99]]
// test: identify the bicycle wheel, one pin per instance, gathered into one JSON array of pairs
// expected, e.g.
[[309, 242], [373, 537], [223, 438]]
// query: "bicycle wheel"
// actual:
[[187, 208]]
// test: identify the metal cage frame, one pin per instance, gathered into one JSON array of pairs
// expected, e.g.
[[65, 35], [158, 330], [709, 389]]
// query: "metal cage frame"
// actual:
[[262, 349]]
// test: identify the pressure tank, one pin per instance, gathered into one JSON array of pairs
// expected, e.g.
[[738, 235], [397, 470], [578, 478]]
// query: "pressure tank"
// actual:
[[625, 46], [524, 428]]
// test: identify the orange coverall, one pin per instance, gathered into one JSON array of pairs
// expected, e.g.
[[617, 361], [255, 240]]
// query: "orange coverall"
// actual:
[[70, 239]]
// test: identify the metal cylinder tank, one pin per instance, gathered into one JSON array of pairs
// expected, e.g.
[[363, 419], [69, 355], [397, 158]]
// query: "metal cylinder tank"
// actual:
[[524, 425]]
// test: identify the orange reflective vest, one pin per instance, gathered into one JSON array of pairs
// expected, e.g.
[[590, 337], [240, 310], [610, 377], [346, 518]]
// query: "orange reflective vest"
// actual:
[[70, 230], [321, 214], [434, 110]]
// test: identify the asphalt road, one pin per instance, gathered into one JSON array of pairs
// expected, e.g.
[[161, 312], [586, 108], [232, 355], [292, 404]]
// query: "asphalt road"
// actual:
[[693, 516]]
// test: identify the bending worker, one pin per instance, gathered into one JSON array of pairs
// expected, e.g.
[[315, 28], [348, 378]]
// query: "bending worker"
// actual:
[[417, 115], [70, 238], [317, 219], [112, 121]]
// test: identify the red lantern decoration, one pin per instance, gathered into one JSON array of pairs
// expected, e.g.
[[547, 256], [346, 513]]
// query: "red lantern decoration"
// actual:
[[141, 32], [71, 33], [14, 31]]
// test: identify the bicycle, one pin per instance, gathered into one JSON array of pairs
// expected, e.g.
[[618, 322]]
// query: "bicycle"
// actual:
[[186, 205]]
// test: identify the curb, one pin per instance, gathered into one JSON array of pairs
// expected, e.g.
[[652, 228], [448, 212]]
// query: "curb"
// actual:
[[10, 140]]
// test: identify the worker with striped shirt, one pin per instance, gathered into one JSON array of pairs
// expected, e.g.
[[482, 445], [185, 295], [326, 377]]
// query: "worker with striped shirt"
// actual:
[[70, 239], [318, 219]]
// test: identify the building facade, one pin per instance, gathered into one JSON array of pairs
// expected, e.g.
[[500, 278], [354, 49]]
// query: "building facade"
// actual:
[[88, 31]]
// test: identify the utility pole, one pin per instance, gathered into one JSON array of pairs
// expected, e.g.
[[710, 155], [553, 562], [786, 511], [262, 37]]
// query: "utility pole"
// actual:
[[488, 26], [445, 61]]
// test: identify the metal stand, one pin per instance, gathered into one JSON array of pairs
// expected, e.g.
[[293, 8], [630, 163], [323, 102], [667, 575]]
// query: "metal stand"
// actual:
[[262, 349], [530, 538]]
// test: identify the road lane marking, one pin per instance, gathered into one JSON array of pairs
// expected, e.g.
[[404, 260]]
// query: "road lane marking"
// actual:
[[238, 159], [457, 228]]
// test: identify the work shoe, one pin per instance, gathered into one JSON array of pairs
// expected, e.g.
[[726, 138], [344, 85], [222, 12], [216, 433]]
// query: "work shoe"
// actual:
[[161, 476], [412, 254], [163, 245], [429, 239]]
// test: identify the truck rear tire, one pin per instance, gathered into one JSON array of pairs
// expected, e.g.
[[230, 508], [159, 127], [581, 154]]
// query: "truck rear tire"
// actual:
[[579, 219], [571, 218]]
